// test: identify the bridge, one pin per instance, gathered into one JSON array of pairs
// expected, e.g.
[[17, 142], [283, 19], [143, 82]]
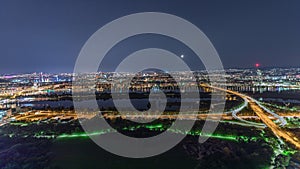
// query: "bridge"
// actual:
[[262, 112]]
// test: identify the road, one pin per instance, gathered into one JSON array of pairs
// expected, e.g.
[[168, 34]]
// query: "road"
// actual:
[[262, 114], [276, 130]]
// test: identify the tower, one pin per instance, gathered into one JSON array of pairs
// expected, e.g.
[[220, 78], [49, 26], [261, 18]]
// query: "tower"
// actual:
[[259, 77]]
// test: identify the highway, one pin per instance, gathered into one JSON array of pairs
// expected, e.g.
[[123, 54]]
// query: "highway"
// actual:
[[261, 112]]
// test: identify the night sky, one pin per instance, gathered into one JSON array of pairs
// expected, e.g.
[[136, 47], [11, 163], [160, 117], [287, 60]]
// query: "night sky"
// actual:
[[47, 36]]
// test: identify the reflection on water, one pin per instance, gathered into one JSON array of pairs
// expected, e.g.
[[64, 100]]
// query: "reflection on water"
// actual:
[[103, 104]]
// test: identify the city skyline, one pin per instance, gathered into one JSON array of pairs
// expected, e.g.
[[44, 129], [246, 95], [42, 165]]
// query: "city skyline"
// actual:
[[149, 84]]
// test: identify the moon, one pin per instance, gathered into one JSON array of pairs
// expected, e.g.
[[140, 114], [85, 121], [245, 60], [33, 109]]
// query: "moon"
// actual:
[[182, 56]]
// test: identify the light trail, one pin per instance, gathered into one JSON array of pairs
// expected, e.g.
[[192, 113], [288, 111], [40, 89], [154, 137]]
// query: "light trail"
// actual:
[[289, 137], [260, 112], [259, 109]]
